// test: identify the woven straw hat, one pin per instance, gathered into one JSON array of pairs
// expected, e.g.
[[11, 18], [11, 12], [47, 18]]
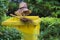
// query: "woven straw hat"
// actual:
[[24, 7]]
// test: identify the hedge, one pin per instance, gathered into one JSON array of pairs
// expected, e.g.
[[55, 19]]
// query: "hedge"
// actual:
[[9, 33], [50, 28]]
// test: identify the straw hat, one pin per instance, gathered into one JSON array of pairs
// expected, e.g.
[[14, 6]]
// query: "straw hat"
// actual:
[[24, 8]]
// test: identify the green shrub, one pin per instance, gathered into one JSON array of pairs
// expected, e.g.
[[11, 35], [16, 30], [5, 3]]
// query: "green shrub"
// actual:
[[50, 28], [3, 8], [44, 8], [9, 34]]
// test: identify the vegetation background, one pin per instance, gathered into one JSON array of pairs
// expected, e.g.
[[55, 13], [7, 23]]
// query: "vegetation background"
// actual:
[[47, 10]]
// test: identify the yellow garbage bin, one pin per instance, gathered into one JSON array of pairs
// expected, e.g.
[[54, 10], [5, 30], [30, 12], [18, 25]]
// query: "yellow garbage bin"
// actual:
[[29, 31]]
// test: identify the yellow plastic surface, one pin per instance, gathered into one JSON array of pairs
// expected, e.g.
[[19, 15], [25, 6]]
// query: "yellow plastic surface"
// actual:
[[30, 31]]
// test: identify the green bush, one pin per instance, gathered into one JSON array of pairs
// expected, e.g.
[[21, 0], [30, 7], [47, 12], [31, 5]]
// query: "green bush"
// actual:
[[44, 8], [3, 8], [50, 28], [9, 34]]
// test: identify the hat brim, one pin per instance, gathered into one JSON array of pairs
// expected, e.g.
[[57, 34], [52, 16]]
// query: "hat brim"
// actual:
[[27, 12]]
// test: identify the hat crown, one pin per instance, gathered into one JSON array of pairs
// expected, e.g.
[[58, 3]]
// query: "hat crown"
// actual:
[[23, 4]]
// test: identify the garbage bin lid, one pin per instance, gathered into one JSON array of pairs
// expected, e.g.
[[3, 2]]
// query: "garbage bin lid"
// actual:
[[13, 21]]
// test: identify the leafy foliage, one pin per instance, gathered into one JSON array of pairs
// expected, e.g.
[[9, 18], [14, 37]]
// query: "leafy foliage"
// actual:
[[3, 8], [44, 8], [50, 28], [9, 34]]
